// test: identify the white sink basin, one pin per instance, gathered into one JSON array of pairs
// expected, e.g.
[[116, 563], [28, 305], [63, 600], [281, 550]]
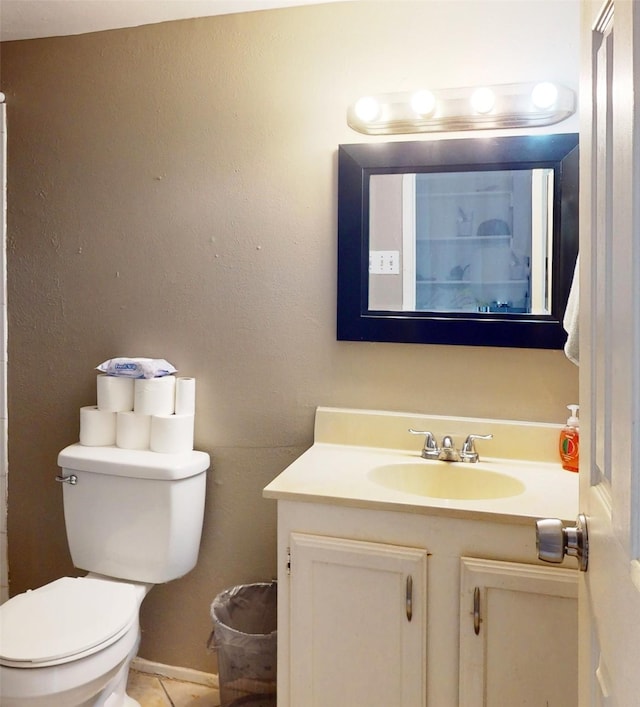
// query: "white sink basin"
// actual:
[[360, 459], [446, 480]]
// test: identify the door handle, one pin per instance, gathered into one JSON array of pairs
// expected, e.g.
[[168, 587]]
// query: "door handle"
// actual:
[[554, 541]]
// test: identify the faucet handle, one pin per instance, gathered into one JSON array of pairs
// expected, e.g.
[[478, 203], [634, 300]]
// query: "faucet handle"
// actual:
[[430, 449], [468, 452]]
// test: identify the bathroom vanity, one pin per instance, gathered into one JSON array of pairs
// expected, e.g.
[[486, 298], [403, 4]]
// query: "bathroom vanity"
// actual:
[[389, 596]]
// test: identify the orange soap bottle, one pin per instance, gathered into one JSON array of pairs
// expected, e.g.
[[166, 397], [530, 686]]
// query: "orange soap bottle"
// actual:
[[570, 441]]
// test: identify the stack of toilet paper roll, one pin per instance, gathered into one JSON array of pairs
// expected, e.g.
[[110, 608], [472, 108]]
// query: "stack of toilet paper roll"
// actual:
[[141, 413]]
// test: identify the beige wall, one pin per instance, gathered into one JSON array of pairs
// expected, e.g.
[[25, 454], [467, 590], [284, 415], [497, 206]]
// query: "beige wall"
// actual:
[[172, 193]]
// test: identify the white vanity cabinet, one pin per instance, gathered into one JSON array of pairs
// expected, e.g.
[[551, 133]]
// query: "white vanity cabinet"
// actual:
[[357, 622], [344, 638], [384, 579], [518, 635]]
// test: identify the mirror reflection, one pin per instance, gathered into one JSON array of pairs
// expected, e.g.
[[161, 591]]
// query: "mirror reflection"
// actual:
[[473, 241]]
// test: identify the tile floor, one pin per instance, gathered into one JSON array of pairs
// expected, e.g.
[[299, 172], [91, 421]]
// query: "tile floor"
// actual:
[[156, 691]]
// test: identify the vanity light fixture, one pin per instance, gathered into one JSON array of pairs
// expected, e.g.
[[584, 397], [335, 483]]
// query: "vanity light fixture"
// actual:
[[482, 100], [544, 95], [367, 109], [449, 109], [423, 102]]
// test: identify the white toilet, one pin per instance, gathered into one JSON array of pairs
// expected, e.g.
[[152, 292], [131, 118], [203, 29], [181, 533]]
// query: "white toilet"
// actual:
[[133, 519]]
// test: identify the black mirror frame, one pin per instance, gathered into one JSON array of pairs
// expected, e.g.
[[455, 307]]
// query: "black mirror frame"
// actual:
[[356, 163]]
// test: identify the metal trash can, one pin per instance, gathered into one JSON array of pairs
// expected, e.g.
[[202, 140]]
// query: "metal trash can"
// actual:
[[245, 637]]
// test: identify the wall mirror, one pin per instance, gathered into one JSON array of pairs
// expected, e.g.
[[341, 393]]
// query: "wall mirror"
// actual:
[[468, 241]]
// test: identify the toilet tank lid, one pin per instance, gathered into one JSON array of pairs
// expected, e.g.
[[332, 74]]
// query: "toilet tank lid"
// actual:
[[137, 463]]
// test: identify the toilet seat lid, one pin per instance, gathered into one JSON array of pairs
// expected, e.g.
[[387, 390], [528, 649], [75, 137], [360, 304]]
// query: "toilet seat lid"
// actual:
[[70, 616]]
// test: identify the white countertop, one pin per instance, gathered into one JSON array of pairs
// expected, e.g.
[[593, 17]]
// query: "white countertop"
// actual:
[[339, 474]]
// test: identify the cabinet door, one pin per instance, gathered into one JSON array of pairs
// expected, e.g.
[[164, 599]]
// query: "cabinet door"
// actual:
[[518, 635], [358, 623]]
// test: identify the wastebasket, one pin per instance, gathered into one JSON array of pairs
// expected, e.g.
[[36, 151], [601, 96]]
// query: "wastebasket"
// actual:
[[245, 637]]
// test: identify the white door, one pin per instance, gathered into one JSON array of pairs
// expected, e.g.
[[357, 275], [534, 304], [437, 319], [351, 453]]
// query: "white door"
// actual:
[[609, 670]]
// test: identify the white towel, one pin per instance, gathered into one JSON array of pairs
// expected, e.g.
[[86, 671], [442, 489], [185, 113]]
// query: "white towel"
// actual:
[[571, 318]]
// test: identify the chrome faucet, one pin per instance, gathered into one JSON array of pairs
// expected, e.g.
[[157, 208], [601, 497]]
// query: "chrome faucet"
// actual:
[[448, 452], [468, 452], [430, 449]]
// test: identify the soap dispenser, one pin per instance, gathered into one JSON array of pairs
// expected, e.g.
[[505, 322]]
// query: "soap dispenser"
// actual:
[[570, 441]]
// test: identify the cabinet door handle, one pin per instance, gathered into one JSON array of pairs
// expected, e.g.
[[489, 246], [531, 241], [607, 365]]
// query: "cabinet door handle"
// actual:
[[476, 610], [408, 597]]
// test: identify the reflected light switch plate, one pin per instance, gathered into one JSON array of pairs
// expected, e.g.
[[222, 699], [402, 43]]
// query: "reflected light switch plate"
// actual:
[[384, 262]]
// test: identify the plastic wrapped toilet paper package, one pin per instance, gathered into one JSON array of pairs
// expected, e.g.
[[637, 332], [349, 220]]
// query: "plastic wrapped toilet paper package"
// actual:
[[141, 413], [136, 367]]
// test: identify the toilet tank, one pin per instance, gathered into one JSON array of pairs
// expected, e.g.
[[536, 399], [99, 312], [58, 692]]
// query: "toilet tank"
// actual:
[[134, 514]]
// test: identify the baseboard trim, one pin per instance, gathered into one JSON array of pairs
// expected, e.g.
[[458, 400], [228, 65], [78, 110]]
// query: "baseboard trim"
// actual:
[[142, 665]]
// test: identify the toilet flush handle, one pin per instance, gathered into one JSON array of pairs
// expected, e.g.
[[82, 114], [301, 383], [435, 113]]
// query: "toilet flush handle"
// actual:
[[71, 479]]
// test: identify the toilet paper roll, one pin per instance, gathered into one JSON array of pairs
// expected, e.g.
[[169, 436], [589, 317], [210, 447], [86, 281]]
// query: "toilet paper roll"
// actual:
[[115, 393], [154, 396], [172, 434], [97, 427], [133, 431], [185, 396]]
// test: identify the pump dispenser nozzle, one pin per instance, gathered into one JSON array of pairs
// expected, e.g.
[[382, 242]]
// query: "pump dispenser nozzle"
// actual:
[[573, 420]]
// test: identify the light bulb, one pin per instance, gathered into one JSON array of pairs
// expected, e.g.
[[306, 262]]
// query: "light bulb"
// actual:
[[544, 95], [483, 100], [423, 102], [367, 109]]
